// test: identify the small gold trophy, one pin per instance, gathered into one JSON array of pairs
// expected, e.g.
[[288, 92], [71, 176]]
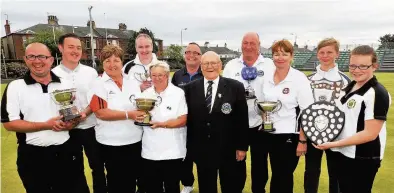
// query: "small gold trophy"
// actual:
[[269, 107], [64, 98]]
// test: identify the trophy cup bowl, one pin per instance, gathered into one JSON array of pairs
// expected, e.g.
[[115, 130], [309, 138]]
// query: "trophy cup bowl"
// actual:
[[145, 104], [269, 107], [64, 99]]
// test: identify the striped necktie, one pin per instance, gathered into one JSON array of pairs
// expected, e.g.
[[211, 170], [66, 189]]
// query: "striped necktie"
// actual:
[[208, 96]]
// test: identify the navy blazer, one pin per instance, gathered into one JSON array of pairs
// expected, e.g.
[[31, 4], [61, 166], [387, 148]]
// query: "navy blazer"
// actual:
[[214, 137]]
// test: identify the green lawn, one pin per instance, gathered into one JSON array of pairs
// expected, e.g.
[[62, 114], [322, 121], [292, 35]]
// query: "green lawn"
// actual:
[[384, 182]]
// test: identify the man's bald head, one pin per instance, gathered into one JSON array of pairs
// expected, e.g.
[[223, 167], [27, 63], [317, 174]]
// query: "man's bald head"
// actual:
[[210, 54], [252, 35], [38, 46], [250, 47]]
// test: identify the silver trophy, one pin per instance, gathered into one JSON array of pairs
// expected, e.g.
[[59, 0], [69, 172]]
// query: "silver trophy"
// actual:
[[249, 92], [322, 122], [268, 108], [142, 77], [65, 98], [146, 105]]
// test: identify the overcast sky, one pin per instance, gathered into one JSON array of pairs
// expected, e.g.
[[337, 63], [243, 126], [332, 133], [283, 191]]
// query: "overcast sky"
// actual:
[[219, 22]]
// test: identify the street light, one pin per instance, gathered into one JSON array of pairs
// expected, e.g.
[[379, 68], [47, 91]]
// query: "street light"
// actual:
[[295, 40], [91, 36], [54, 40], [181, 35]]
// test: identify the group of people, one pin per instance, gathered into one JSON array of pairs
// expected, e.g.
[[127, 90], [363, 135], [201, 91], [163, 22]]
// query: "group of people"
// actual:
[[200, 117]]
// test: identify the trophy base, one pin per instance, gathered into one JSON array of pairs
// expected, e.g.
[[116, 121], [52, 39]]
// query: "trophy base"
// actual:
[[268, 128], [71, 117], [142, 124]]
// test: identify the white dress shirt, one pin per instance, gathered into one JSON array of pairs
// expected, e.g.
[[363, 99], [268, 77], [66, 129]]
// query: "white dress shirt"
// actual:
[[214, 89]]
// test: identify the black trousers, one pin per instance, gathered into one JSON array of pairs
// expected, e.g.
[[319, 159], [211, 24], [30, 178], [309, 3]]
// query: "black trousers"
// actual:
[[281, 149], [313, 159], [232, 175], [51, 169], [355, 175], [157, 173], [187, 177], [85, 139], [123, 165]]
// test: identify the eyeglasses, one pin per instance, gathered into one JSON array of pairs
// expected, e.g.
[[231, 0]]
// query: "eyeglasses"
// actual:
[[40, 57], [213, 64], [160, 76], [192, 53], [361, 67]]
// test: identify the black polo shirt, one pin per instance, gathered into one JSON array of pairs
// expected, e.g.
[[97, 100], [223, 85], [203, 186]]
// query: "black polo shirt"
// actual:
[[182, 77]]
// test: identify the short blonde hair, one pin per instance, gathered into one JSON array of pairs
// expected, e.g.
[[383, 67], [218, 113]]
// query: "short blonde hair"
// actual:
[[329, 42], [110, 50], [162, 64]]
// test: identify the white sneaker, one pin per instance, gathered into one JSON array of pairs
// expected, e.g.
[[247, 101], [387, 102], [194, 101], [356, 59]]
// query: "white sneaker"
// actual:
[[187, 189]]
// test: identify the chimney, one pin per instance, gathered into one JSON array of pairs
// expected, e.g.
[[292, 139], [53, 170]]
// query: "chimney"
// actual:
[[122, 27], [52, 20], [7, 27], [93, 24]]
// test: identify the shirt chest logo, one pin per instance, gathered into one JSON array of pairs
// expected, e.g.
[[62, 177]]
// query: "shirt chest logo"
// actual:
[[111, 92], [351, 103], [286, 91]]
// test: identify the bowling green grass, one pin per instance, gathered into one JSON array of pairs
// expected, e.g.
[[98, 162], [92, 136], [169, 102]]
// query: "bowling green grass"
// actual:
[[384, 182]]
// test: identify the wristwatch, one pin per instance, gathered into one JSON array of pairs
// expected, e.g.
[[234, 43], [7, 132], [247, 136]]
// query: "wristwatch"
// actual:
[[302, 141]]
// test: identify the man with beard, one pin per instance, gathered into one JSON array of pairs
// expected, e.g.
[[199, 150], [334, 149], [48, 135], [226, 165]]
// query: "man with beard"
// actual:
[[83, 136]]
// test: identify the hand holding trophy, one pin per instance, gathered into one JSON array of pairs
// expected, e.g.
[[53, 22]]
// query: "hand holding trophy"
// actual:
[[145, 104], [65, 99]]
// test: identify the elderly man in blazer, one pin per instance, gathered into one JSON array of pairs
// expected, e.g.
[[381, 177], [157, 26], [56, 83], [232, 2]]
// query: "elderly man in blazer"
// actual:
[[217, 126]]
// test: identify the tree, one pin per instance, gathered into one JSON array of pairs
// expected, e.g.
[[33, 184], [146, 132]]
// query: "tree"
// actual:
[[46, 37], [386, 41], [131, 44], [174, 52]]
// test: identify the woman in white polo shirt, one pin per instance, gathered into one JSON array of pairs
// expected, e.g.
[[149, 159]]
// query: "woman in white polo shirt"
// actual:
[[164, 143], [359, 149], [119, 137], [285, 144]]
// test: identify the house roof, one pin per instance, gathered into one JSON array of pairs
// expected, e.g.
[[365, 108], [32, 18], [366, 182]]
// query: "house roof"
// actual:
[[218, 50], [81, 31]]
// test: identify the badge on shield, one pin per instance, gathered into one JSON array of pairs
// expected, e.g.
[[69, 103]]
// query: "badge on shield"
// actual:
[[322, 122]]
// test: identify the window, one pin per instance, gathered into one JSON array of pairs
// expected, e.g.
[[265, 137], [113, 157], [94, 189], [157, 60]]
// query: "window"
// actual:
[[87, 43]]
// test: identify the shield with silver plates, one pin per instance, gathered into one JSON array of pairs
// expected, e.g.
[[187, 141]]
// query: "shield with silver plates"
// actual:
[[322, 122]]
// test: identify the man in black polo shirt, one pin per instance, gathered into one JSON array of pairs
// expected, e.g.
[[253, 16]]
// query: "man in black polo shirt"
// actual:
[[45, 158], [181, 77]]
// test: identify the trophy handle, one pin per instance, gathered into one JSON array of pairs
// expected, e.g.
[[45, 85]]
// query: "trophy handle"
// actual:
[[138, 77], [278, 107], [132, 99], [159, 100], [258, 110]]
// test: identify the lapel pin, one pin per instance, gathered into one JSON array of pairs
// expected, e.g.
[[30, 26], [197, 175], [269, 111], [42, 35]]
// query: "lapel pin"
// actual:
[[220, 95]]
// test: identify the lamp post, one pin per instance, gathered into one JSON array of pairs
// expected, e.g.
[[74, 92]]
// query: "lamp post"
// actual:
[[181, 35], [295, 38], [91, 36]]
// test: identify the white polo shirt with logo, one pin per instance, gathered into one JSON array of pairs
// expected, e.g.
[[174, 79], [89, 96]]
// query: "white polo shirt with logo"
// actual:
[[264, 66], [371, 101], [81, 78], [328, 85], [294, 91], [120, 132], [26, 99], [165, 143]]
